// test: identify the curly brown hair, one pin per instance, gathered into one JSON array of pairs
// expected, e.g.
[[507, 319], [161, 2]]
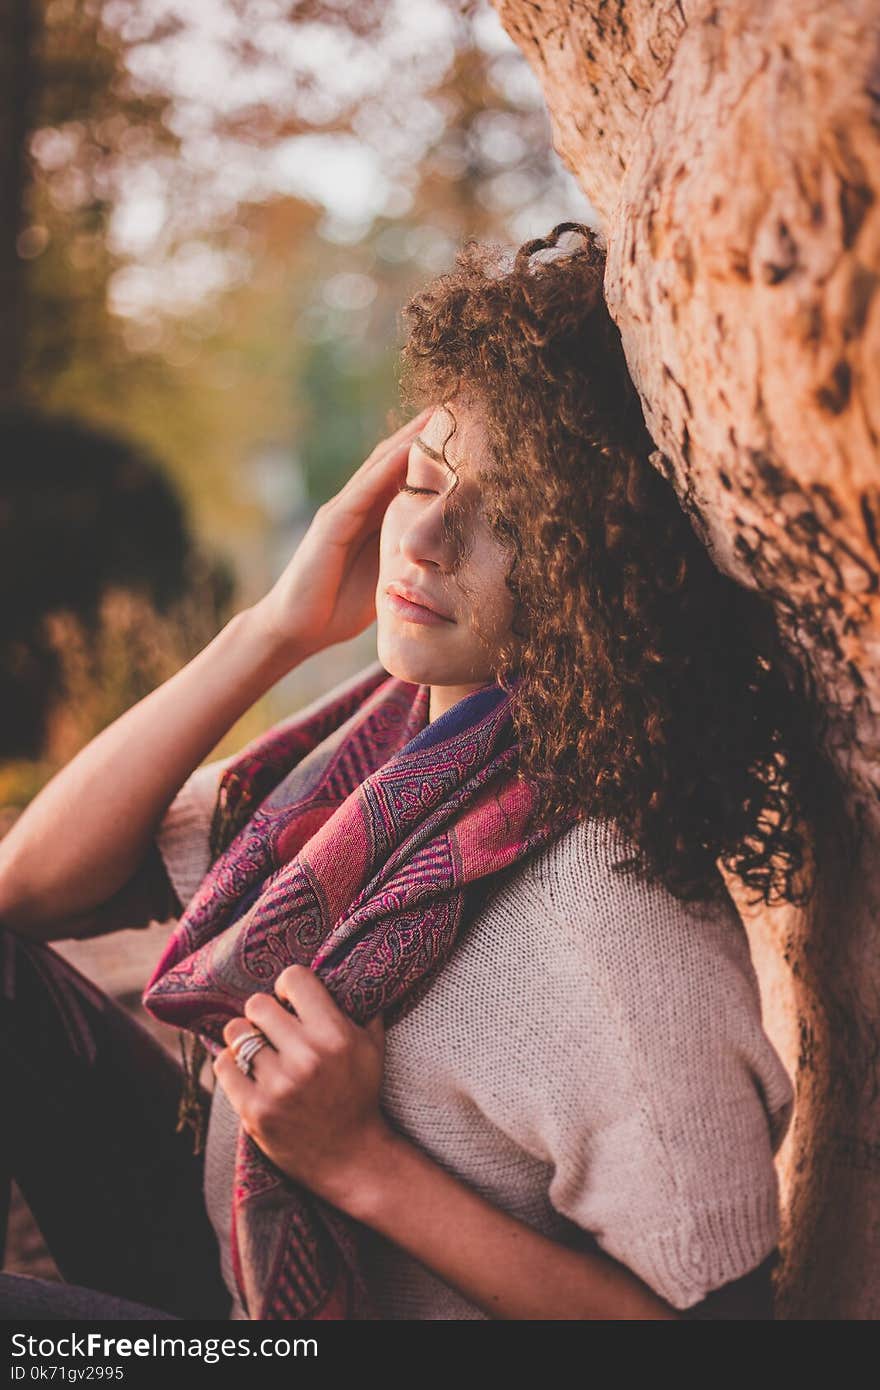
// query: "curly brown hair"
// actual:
[[647, 687]]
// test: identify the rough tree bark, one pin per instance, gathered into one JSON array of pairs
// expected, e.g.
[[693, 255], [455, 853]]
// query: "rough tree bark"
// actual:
[[732, 152]]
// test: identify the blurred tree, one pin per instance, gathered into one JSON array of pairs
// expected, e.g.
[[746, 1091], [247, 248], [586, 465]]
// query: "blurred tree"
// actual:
[[151, 149], [486, 160], [215, 213], [17, 85], [82, 133]]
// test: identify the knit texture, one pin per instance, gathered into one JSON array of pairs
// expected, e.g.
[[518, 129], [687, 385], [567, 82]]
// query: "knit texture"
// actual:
[[357, 838], [591, 1060]]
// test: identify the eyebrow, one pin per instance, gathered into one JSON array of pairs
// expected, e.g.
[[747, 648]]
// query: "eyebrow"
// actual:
[[432, 453]]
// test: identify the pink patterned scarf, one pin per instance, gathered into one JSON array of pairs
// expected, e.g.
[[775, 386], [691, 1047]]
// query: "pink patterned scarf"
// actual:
[[357, 838]]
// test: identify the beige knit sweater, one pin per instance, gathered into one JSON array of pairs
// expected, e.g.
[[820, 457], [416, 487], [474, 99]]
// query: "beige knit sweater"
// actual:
[[591, 1059]]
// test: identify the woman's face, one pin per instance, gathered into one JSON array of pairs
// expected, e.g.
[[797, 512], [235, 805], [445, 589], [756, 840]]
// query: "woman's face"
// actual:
[[461, 575]]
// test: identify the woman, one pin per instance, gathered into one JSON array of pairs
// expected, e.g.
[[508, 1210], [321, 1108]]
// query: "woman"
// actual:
[[485, 1030]]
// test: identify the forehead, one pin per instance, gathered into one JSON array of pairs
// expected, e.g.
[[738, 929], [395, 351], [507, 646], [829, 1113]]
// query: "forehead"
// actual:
[[466, 447]]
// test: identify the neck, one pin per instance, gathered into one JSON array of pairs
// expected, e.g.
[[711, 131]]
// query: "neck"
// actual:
[[443, 697]]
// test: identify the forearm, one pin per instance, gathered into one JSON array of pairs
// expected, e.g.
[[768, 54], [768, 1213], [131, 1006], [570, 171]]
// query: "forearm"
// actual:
[[86, 832], [504, 1266]]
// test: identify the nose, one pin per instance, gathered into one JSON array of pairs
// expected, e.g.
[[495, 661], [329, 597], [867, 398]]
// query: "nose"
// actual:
[[433, 537]]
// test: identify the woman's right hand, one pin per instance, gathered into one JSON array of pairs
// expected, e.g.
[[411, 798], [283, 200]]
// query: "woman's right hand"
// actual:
[[97, 877], [327, 592]]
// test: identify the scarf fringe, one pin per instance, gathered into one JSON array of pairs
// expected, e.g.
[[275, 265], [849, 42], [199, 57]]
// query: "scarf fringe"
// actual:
[[191, 1110]]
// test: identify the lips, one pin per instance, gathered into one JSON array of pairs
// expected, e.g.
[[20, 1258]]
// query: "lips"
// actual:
[[414, 595]]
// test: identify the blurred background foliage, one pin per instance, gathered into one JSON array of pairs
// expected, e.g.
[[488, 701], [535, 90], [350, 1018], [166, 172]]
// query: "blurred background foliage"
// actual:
[[214, 211]]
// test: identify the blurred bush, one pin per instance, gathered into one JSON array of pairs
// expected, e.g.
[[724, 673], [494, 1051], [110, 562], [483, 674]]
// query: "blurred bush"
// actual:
[[105, 593]]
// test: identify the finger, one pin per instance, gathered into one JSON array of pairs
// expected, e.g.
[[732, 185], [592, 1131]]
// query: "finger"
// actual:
[[281, 1028], [391, 447], [298, 1047], [375, 471], [234, 1083], [238, 1085], [360, 505], [405, 429], [311, 998], [237, 1028], [394, 447], [264, 1060]]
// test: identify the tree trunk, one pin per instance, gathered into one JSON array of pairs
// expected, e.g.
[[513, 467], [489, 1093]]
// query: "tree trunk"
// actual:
[[733, 155]]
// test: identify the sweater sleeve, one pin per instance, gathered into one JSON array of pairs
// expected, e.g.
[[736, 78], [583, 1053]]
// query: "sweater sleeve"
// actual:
[[672, 1168], [182, 837], [675, 1177], [627, 1054]]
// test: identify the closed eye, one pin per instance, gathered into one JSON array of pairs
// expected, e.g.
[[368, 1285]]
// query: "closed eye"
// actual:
[[406, 487]]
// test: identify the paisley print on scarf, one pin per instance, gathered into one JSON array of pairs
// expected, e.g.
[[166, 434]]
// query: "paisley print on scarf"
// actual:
[[353, 837]]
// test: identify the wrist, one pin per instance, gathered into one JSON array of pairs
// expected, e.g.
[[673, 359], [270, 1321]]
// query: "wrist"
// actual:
[[362, 1188], [275, 651]]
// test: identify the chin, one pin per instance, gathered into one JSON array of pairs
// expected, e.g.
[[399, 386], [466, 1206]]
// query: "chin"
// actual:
[[416, 672], [411, 662]]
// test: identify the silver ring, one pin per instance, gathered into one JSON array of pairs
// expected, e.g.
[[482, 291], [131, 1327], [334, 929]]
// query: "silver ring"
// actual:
[[244, 1060], [243, 1038], [250, 1047], [246, 1048]]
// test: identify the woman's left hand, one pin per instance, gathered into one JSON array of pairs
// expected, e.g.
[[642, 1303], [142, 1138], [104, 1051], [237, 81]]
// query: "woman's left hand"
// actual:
[[311, 1102]]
